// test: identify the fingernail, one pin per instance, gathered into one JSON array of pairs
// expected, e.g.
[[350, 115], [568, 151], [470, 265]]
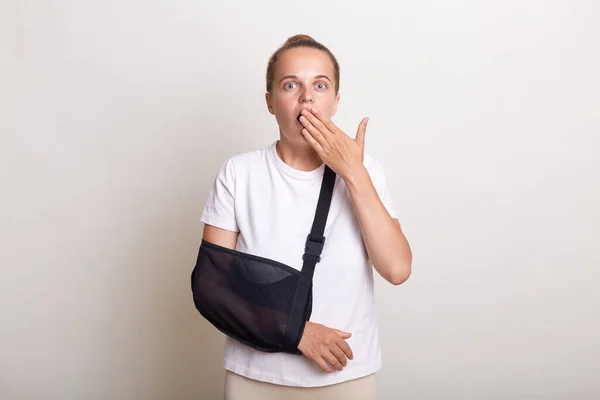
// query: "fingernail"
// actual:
[[314, 110]]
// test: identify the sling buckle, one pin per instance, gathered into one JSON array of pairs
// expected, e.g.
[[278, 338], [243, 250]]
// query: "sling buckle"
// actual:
[[314, 248]]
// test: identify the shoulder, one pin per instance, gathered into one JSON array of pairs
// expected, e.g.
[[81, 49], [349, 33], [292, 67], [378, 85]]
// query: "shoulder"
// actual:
[[376, 172], [240, 162], [372, 165], [245, 160], [239, 169]]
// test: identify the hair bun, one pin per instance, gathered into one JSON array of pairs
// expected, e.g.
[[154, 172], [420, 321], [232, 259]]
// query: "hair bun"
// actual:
[[297, 38]]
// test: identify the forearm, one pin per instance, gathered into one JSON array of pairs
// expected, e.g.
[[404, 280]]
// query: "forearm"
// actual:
[[386, 245]]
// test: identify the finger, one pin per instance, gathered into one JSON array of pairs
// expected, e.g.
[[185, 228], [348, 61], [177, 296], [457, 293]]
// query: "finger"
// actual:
[[343, 334], [319, 121], [314, 132], [339, 354], [342, 344], [322, 364], [326, 122], [310, 139], [362, 130], [333, 361]]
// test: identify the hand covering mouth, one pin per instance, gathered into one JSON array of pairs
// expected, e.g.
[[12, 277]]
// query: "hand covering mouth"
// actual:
[[299, 115]]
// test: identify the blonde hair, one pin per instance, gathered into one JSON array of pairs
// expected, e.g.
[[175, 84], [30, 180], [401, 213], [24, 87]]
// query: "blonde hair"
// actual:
[[300, 41]]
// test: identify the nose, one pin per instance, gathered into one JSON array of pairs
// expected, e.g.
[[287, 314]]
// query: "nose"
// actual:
[[306, 96]]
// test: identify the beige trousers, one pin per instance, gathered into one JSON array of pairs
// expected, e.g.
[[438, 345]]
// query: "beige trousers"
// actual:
[[238, 387]]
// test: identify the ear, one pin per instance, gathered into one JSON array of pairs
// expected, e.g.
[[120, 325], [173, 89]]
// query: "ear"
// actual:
[[337, 101], [268, 100]]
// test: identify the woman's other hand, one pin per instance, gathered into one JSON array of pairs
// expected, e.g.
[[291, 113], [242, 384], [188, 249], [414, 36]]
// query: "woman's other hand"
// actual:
[[326, 347]]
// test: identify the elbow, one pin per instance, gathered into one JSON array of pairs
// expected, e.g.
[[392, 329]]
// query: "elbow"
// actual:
[[402, 268], [400, 275]]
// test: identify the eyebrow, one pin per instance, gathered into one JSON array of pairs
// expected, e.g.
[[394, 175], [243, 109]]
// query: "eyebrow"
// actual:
[[295, 77]]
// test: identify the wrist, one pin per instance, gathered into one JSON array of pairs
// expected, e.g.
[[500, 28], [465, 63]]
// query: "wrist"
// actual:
[[356, 176]]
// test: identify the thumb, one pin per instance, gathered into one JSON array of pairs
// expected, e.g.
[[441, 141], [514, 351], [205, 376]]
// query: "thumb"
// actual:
[[362, 130], [343, 334]]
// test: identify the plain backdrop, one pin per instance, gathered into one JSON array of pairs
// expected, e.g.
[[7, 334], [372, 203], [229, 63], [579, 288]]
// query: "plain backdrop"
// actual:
[[115, 116]]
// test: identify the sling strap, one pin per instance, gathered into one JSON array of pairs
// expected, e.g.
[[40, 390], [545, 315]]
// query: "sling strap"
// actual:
[[315, 242]]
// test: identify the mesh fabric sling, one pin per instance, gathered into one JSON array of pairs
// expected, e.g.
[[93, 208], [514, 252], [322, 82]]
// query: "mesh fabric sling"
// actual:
[[257, 301]]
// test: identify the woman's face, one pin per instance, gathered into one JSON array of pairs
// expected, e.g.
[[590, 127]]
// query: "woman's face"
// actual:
[[304, 78]]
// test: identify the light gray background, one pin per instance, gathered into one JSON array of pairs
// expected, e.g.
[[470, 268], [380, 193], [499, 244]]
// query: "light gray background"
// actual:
[[115, 116]]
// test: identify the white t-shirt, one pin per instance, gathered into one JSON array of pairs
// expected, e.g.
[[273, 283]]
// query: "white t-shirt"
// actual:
[[272, 206]]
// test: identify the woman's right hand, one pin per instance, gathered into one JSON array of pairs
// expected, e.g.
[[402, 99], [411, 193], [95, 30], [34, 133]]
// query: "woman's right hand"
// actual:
[[325, 346]]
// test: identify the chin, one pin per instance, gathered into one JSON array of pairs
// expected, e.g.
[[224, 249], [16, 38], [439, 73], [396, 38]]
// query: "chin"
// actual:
[[298, 138]]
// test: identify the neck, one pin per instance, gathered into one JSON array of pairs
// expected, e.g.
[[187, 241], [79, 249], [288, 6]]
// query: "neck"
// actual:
[[300, 156]]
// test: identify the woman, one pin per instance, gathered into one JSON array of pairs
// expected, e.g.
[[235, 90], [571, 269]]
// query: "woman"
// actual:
[[263, 202]]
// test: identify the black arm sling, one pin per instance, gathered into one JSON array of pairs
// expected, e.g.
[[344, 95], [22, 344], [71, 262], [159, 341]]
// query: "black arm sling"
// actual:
[[257, 301]]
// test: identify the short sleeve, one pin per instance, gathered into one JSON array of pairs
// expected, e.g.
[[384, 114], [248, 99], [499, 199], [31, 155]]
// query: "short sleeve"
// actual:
[[380, 183], [219, 209]]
